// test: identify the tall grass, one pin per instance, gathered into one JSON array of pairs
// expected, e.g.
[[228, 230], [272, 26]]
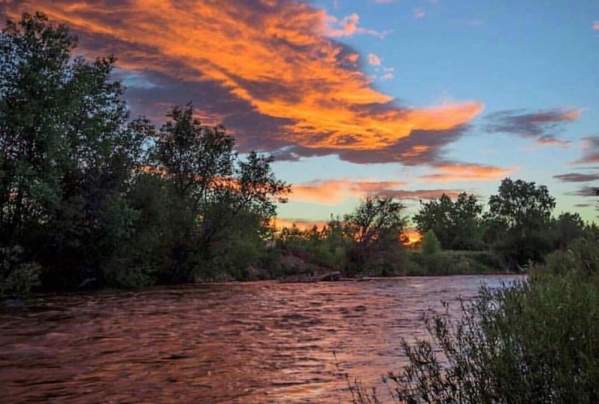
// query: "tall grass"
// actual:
[[533, 342]]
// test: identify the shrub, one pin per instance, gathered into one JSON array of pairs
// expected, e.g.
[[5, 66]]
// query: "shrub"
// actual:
[[533, 342], [430, 243], [456, 263], [17, 277], [582, 257]]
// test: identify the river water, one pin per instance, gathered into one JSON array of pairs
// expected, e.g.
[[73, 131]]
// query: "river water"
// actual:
[[213, 343]]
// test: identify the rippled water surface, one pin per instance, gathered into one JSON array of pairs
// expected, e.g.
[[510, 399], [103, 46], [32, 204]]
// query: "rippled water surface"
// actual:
[[237, 342]]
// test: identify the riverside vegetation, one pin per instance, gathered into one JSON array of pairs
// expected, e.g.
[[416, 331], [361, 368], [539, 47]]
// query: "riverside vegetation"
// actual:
[[90, 197], [533, 342]]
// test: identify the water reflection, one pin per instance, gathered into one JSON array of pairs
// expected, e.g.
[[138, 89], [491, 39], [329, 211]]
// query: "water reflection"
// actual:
[[251, 342]]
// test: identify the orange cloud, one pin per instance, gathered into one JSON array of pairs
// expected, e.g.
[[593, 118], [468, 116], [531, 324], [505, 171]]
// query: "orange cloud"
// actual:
[[302, 224], [276, 56], [449, 172], [331, 192], [596, 25]]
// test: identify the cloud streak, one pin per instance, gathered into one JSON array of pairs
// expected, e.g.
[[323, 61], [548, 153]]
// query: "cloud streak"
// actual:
[[268, 69], [348, 26], [331, 192], [590, 150], [577, 177], [541, 126], [455, 172], [587, 191]]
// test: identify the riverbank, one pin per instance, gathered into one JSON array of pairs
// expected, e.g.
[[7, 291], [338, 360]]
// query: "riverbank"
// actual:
[[290, 267]]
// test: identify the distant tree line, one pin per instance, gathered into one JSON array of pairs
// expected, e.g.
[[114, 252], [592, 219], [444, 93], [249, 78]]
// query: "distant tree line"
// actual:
[[518, 224]]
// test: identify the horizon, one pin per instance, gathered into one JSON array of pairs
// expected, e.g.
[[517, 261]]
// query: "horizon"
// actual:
[[411, 99]]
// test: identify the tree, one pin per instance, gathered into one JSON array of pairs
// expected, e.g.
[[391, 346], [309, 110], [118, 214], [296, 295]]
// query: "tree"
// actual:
[[456, 224], [96, 197], [215, 191], [568, 227], [67, 149], [196, 158], [375, 228], [524, 210], [522, 205]]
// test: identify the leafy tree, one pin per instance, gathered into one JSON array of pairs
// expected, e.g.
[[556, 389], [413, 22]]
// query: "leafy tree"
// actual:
[[522, 205], [524, 210], [67, 149], [568, 227], [456, 224], [436, 215], [214, 190], [375, 228], [95, 197], [196, 158]]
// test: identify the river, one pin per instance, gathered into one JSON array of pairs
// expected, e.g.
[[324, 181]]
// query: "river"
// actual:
[[215, 343]]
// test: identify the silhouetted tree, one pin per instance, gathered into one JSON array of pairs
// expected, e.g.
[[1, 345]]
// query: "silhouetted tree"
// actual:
[[457, 224], [375, 228], [523, 209]]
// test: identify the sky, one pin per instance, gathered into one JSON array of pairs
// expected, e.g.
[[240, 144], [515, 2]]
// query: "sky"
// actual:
[[411, 98]]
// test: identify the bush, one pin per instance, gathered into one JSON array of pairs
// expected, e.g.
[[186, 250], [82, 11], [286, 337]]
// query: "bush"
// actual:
[[456, 263], [17, 277], [582, 257], [430, 244], [534, 342]]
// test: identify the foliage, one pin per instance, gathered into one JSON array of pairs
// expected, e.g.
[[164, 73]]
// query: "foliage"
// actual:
[[523, 211], [98, 198], [452, 262], [327, 247], [17, 277], [567, 227], [533, 342], [457, 224], [375, 229], [581, 257], [430, 244], [67, 147]]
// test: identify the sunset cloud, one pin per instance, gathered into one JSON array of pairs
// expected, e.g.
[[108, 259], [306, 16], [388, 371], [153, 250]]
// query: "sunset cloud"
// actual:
[[541, 126], [422, 194], [588, 191], [577, 177], [590, 150], [374, 59], [334, 191], [301, 224], [348, 26], [269, 68], [596, 25], [450, 172], [331, 192]]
